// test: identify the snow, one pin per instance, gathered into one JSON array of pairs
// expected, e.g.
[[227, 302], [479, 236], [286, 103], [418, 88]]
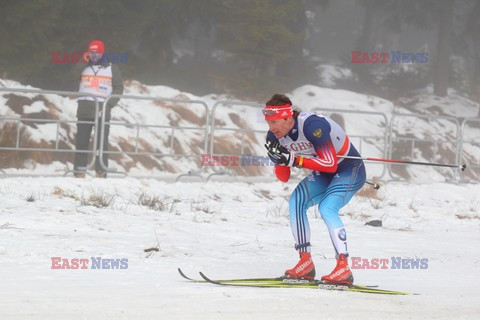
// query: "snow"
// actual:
[[310, 96], [35, 107], [330, 73], [228, 230]]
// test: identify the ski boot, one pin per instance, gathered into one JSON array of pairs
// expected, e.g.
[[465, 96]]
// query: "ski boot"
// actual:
[[305, 269], [341, 274]]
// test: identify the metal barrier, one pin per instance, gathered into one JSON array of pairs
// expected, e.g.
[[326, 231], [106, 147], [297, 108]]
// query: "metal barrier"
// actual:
[[473, 142], [435, 142], [138, 126], [213, 128], [384, 141], [19, 120], [228, 102]]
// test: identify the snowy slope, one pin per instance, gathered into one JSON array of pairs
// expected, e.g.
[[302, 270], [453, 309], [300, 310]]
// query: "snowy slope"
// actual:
[[228, 230]]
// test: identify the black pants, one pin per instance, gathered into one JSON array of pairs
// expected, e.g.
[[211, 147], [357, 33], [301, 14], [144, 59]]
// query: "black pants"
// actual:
[[83, 140]]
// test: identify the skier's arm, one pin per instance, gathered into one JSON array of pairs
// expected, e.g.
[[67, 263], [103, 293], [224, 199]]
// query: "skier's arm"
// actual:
[[281, 172]]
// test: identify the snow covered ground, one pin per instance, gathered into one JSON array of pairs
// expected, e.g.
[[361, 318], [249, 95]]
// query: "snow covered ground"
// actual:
[[227, 230]]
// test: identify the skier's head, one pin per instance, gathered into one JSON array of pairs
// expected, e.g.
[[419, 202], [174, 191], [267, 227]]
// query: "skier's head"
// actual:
[[96, 50], [279, 115]]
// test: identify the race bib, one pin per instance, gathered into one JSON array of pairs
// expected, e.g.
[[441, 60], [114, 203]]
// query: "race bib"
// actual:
[[94, 82]]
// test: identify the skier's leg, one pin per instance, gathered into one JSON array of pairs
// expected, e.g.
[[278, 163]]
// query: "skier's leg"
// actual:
[[339, 192], [308, 193]]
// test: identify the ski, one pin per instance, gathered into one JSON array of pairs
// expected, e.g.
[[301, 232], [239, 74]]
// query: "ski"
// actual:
[[263, 280], [282, 282], [298, 283]]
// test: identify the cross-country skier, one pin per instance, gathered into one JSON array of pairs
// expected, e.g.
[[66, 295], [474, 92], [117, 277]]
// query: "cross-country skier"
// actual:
[[314, 142]]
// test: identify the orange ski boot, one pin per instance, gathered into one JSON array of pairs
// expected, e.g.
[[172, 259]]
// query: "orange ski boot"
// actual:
[[305, 269], [341, 274]]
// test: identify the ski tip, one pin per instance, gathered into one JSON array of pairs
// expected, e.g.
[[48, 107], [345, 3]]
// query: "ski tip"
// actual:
[[183, 274], [209, 280], [204, 277]]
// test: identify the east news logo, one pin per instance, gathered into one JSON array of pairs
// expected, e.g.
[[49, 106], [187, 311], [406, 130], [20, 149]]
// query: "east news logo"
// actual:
[[395, 263], [394, 56], [93, 262]]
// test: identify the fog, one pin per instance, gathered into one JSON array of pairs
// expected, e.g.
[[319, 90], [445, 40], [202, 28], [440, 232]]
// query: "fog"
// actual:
[[250, 48]]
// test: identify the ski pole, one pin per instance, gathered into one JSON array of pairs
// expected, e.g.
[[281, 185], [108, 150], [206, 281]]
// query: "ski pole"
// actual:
[[374, 185], [461, 167]]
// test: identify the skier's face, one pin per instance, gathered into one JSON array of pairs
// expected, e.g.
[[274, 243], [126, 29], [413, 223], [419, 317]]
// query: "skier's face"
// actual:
[[281, 127]]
